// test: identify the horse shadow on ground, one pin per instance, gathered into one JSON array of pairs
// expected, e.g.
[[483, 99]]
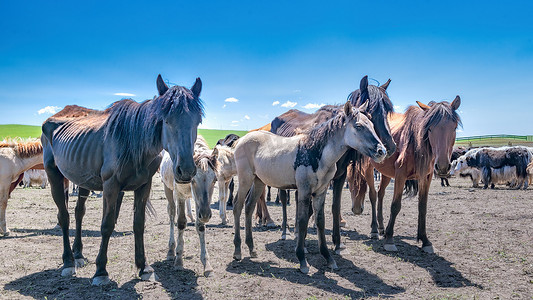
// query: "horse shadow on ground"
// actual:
[[49, 284], [179, 284], [370, 284], [441, 270], [57, 232]]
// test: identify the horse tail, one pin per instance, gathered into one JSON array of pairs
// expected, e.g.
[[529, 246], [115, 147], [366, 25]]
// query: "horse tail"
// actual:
[[151, 210]]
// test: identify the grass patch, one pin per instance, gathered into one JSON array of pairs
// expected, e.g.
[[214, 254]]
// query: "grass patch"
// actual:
[[29, 131]]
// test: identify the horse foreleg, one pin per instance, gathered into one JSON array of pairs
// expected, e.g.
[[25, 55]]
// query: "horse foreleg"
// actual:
[[110, 195], [258, 188], [318, 205], [338, 183], [422, 211], [182, 224], [230, 192], [381, 194], [303, 220], [171, 210], [204, 255], [399, 183], [189, 210], [146, 272], [77, 247], [222, 191]]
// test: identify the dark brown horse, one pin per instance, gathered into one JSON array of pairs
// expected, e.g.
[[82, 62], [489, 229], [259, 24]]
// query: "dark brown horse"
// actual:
[[425, 136], [379, 107], [115, 150]]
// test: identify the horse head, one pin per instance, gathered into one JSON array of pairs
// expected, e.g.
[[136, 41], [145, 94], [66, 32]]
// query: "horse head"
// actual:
[[202, 185], [360, 134], [440, 123], [379, 106], [182, 113]]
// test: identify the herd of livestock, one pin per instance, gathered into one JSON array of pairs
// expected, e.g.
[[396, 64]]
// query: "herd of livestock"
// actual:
[[121, 148]]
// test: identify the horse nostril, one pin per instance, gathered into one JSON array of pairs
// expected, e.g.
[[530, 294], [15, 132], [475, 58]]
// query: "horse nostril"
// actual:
[[380, 151], [179, 172]]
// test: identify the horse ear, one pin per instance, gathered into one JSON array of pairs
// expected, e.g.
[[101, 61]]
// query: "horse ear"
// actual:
[[197, 87], [423, 106], [456, 102], [386, 85], [363, 86], [348, 108], [215, 153], [364, 106], [162, 87]]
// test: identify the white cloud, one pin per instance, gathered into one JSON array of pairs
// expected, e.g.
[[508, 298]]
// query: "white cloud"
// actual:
[[289, 104], [49, 110], [231, 99], [124, 94], [246, 117], [275, 103], [234, 122], [224, 106], [297, 91], [313, 105]]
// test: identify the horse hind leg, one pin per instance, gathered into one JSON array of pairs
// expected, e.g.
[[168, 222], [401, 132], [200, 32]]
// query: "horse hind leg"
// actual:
[[4, 196], [79, 260], [258, 188], [189, 210], [245, 183], [303, 221], [58, 194], [283, 198]]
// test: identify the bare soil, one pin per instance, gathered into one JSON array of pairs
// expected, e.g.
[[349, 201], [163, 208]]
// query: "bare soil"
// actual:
[[483, 241]]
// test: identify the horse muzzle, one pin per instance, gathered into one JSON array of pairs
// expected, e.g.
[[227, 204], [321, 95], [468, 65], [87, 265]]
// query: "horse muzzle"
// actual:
[[380, 154], [184, 175]]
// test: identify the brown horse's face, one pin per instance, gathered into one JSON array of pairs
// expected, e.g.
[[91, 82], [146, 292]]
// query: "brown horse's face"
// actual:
[[442, 139]]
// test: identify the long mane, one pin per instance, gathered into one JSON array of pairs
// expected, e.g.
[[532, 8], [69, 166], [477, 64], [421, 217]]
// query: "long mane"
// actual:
[[202, 155], [378, 99], [24, 148], [414, 134], [136, 127]]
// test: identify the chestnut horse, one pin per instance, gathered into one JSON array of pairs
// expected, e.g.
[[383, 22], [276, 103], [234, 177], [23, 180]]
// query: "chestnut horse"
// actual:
[[425, 135]]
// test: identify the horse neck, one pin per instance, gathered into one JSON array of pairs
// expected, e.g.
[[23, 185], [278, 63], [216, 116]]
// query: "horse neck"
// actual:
[[30, 162], [335, 148]]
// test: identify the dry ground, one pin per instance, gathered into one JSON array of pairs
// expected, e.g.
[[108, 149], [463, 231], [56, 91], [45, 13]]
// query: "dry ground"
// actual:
[[483, 241]]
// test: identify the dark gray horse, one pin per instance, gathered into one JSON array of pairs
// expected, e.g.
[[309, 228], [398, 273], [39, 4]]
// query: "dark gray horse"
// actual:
[[379, 106], [116, 150]]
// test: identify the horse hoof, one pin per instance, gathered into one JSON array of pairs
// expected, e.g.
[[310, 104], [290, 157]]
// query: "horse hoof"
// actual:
[[304, 269], [150, 277], [68, 272], [81, 262], [333, 265], [6, 233], [171, 257], [237, 256], [340, 251], [253, 254], [390, 248], [428, 249], [100, 280], [224, 222], [342, 223], [284, 236], [374, 235], [208, 273]]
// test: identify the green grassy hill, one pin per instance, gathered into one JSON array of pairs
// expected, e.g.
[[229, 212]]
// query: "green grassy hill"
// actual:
[[28, 131]]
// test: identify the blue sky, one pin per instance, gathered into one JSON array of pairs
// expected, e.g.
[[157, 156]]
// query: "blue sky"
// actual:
[[300, 54]]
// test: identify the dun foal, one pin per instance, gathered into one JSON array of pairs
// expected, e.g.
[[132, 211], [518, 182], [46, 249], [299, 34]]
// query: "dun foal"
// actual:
[[201, 190], [306, 162]]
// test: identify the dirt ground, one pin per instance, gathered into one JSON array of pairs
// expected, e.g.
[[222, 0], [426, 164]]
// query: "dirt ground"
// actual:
[[483, 241]]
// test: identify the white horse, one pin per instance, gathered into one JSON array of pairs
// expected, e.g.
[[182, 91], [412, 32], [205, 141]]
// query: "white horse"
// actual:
[[33, 176], [306, 162], [201, 189], [226, 170], [15, 158]]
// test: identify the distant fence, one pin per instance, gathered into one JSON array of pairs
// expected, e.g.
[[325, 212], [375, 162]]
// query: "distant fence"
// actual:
[[496, 140]]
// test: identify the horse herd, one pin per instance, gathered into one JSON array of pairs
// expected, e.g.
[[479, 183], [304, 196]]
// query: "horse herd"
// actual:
[[121, 148]]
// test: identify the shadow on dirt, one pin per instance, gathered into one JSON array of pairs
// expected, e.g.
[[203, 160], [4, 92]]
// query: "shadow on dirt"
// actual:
[[180, 284], [441, 270], [57, 232], [370, 284], [49, 284]]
